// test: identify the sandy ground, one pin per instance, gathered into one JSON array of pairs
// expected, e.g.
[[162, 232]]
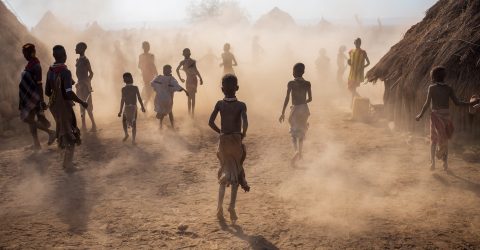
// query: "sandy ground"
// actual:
[[359, 186]]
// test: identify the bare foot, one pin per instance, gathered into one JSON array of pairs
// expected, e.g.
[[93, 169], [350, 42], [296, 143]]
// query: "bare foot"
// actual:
[[445, 165], [134, 143], [93, 129], [220, 215], [233, 215], [432, 167], [125, 138]]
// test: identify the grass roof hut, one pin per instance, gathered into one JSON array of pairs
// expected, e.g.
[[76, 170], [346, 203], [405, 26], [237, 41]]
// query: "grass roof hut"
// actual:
[[449, 35]]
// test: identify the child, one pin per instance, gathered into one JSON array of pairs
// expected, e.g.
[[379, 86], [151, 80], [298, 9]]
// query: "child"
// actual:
[[441, 125], [59, 88], [84, 84], [165, 86], [358, 61], [299, 112], [31, 101], [228, 60], [190, 67], [146, 63], [231, 151], [130, 94]]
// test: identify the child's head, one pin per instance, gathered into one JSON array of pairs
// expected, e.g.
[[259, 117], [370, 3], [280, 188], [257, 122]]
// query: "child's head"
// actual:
[[167, 70], [80, 48], [357, 42], [59, 54], [298, 70], [226, 47], [229, 85], [146, 46], [438, 74], [127, 78], [28, 51], [186, 52]]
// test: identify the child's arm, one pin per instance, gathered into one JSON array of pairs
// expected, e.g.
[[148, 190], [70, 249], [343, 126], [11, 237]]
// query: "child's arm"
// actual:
[[90, 72], [140, 99], [178, 71], [309, 93], [459, 102], [244, 121], [198, 74], [366, 59], [425, 106], [122, 102], [213, 116], [234, 61], [285, 103]]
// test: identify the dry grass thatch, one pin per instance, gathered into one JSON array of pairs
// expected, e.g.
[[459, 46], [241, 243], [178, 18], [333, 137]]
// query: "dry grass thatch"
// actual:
[[449, 35]]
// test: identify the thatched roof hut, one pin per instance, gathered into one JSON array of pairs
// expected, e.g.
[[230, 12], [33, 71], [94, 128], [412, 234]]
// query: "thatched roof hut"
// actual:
[[449, 35], [14, 35], [276, 19]]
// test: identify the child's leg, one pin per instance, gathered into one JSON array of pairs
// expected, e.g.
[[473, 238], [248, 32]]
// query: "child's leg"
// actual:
[[161, 121], [193, 104], [295, 144], [300, 146], [82, 115], [433, 149], [90, 115], [172, 122], [221, 195], [445, 159], [68, 157], [233, 199], [134, 131], [190, 104], [125, 128]]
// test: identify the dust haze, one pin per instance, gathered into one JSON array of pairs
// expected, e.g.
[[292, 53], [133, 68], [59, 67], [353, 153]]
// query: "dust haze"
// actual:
[[348, 187]]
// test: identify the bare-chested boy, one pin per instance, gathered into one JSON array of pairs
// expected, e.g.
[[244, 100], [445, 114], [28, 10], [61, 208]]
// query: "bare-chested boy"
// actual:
[[301, 93], [441, 125], [228, 60], [190, 67], [231, 152], [84, 84], [59, 88], [146, 64], [130, 95]]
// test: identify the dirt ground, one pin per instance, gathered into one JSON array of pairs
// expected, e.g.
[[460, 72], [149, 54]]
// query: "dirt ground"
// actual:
[[359, 186]]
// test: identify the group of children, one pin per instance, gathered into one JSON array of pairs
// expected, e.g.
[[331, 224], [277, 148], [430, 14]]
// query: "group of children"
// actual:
[[233, 113]]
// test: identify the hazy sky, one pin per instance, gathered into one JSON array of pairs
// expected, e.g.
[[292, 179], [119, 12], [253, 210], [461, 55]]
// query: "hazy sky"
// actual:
[[133, 12]]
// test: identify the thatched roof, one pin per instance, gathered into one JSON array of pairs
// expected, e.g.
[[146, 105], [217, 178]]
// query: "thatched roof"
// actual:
[[14, 35], [276, 19], [49, 24], [449, 35]]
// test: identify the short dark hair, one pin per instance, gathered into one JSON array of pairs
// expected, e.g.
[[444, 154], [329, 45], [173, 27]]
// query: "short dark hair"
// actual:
[[82, 45], [127, 74], [438, 74], [186, 49], [299, 67], [167, 66], [229, 82], [58, 51], [28, 48]]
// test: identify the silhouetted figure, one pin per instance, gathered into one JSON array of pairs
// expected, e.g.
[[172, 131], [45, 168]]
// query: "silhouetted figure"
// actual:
[[441, 125], [228, 60], [59, 88], [358, 61], [301, 92], [146, 64], [128, 104], [341, 64], [84, 85], [31, 101], [323, 65], [165, 86], [257, 49], [231, 151], [190, 67]]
